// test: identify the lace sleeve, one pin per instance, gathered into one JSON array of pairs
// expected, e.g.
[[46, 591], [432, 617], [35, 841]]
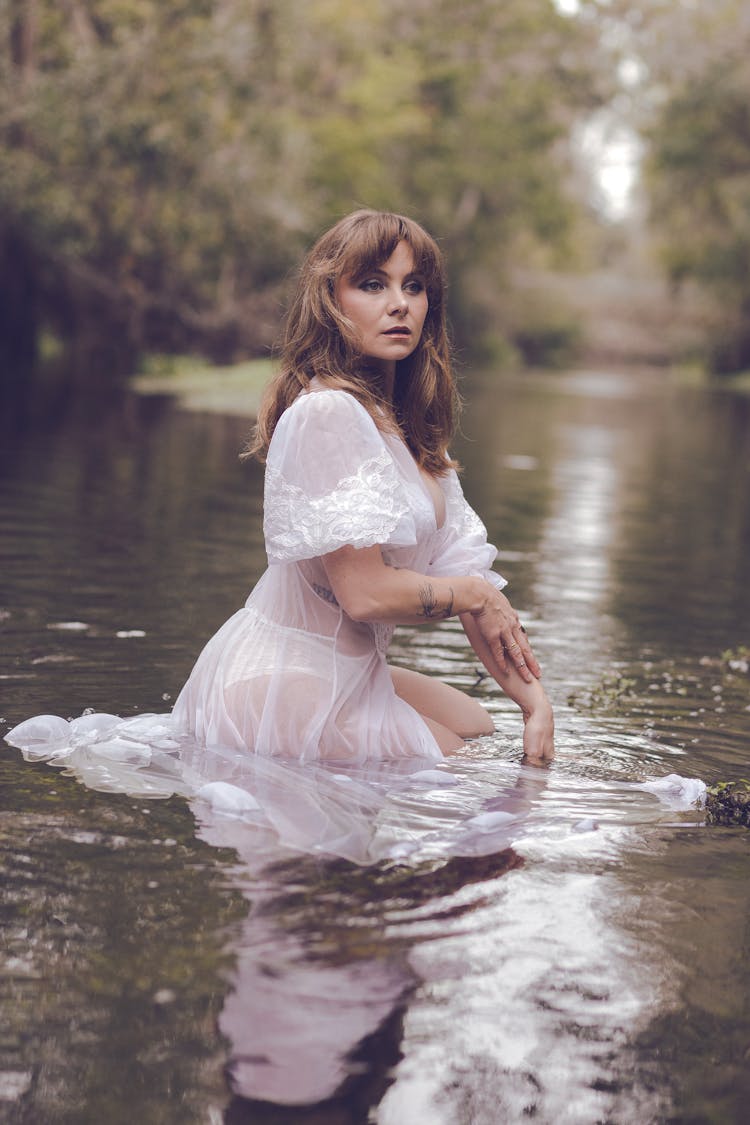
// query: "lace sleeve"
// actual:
[[463, 548], [331, 482]]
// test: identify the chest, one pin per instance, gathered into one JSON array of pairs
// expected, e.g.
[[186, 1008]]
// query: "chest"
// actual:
[[426, 493], [436, 494]]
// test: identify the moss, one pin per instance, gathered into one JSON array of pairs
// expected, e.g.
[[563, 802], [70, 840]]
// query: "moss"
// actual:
[[728, 802], [611, 690], [736, 659]]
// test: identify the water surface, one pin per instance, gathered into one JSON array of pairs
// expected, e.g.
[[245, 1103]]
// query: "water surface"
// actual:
[[592, 968]]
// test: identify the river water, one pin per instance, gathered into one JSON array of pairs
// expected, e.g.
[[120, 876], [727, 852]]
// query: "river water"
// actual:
[[592, 968]]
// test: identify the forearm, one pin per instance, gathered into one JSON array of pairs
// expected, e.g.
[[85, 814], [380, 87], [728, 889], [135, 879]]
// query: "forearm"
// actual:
[[368, 590], [528, 694]]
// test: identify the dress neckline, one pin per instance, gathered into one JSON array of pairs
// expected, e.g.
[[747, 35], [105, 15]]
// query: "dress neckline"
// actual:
[[439, 524], [420, 476], [315, 387]]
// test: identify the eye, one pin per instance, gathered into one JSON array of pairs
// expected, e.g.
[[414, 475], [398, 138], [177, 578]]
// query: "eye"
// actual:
[[414, 286], [371, 285]]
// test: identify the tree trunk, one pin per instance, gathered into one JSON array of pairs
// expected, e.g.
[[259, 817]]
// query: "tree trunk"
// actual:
[[19, 314], [24, 34]]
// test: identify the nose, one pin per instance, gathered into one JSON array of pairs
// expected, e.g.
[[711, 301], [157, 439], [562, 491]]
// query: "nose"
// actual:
[[399, 304]]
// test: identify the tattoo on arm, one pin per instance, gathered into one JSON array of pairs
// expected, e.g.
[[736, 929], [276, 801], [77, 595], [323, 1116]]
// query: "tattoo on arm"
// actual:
[[324, 593], [430, 608], [427, 600]]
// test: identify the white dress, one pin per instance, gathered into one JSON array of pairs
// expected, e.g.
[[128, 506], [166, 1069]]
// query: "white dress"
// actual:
[[288, 732], [291, 675]]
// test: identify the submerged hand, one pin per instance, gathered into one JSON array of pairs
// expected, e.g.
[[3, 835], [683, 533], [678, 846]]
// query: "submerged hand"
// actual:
[[501, 629], [539, 733]]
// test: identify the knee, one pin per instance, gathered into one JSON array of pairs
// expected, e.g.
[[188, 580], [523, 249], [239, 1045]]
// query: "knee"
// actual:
[[480, 722]]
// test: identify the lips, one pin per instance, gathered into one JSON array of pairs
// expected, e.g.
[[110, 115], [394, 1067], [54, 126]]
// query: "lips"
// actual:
[[401, 331]]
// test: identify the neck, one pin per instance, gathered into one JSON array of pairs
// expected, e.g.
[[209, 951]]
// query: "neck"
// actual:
[[384, 374], [389, 380]]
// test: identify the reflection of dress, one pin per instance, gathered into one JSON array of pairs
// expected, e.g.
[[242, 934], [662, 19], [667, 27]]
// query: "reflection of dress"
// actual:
[[291, 675]]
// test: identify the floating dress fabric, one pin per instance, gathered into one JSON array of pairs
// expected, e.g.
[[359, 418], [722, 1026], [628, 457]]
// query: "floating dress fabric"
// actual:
[[291, 675]]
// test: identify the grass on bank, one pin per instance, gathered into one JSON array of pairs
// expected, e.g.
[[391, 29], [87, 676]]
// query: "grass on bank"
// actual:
[[238, 388], [695, 375], [235, 389]]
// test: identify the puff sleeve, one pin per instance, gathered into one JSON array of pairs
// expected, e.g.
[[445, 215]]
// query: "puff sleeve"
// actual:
[[331, 482], [463, 548]]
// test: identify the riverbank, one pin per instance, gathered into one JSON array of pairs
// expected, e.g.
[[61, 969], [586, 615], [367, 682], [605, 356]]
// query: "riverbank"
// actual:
[[236, 389]]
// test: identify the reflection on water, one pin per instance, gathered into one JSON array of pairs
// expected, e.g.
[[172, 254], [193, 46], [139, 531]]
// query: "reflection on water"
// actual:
[[580, 958]]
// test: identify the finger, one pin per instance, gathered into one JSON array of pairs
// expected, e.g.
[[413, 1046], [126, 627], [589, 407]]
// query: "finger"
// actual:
[[516, 654], [531, 661], [523, 670], [521, 639], [498, 651]]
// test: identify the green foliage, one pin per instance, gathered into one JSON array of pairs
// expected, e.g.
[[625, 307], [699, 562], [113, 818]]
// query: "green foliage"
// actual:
[[699, 173], [164, 164]]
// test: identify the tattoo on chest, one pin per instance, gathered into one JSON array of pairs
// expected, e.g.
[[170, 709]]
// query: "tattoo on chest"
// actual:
[[429, 603], [324, 593]]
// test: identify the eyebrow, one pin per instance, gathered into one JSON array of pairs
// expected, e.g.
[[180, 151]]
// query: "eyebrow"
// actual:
[[383, 273]]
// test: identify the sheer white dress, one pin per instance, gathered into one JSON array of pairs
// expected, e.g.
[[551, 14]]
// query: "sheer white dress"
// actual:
[[291, 675], [288, 732]]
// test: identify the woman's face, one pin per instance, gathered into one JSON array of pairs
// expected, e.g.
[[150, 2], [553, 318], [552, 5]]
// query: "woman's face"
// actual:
[[387, 306]]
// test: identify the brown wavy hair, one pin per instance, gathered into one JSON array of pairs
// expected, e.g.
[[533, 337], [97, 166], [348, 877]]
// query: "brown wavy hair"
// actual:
[[320, 342]]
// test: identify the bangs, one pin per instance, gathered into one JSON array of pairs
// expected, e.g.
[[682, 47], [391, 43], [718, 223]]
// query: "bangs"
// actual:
[[370, 239]]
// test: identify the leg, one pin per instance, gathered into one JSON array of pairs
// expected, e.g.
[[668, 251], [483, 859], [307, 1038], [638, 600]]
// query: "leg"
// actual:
[[443, 707], [447, 740]]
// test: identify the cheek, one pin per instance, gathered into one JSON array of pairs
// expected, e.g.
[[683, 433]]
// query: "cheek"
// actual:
[[353, 307]]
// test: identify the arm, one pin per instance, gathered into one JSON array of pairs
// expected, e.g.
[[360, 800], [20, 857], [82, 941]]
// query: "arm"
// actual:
[[539, 725], [367, 589]]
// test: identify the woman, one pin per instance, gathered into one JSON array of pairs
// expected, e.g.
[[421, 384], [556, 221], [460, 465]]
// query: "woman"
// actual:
[[366, 528]]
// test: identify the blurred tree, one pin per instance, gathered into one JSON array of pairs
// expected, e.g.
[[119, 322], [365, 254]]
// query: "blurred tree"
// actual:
[[164, 163], [694, 108], [117, 124], [700, 172]]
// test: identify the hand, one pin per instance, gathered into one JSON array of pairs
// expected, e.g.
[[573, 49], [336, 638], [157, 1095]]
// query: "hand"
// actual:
[[502, 631]]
